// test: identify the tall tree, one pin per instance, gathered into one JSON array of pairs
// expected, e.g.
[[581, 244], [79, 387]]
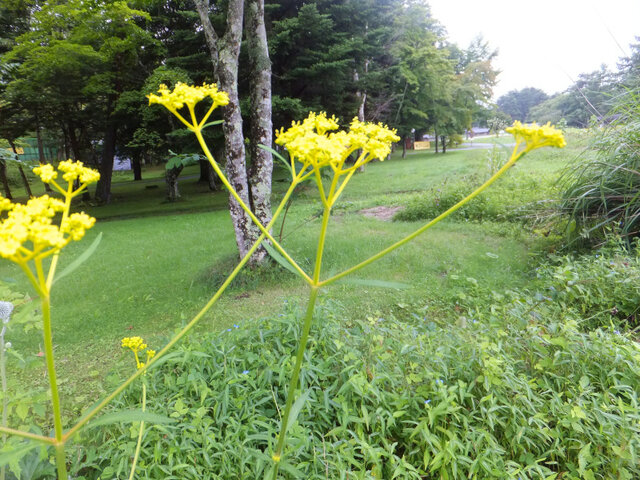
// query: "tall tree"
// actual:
[[518, 103], [225, 51]]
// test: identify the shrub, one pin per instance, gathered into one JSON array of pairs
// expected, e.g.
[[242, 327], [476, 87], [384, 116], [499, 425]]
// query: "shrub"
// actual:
[[602, 191], [498, 396]]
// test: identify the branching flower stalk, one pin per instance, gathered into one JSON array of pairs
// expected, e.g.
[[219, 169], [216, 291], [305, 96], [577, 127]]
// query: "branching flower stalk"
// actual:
[[28, 236], [316, 144]]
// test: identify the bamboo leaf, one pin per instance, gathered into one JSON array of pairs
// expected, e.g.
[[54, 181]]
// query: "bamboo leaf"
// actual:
[[129, 416], [273, 253], [80, 260]]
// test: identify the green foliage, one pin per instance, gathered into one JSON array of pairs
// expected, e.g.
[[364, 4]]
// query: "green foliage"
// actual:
[[602, 189], [518, 103], [602, 288], [512, 199], [498, 396]]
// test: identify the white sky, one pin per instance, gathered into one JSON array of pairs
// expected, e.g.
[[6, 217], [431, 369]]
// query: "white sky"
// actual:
[[543, 43]]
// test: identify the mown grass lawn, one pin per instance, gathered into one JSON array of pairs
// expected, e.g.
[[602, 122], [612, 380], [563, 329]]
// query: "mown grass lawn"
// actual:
[[158, 263]]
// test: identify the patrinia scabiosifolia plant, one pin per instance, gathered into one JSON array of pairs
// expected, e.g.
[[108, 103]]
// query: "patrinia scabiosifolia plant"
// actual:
[[314, 144]]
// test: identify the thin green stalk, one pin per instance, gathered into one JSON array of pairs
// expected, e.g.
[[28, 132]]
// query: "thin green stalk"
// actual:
[[294, 378], [53, 386], [139, 444], [28, 435], [430, 224], [244, 206], [83, 421], [5, 399]]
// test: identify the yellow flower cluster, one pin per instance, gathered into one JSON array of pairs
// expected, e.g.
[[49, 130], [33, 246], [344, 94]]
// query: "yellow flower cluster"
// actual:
[[32, 224], [536, 136], [137, 345], [188, 95], [27, 230], [310, 143]]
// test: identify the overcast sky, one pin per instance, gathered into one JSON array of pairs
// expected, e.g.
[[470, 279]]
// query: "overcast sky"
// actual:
[[544, 43]]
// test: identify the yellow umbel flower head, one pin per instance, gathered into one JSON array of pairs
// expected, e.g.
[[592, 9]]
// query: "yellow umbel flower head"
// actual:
[[536, 136], [310, 142], [188, 95], [137, 345]]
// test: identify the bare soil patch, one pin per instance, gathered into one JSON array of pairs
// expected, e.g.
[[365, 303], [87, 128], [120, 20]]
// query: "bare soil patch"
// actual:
[[381, 213]]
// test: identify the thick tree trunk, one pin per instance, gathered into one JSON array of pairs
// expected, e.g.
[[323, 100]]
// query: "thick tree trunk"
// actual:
[[136, 166], [171, 176], [103, 189], [443, 139], [25, 180], [224, 57], [5, 181], [41, 157], [260, 173]]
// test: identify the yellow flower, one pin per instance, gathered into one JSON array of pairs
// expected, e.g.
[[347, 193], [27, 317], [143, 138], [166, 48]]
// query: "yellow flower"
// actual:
[[45, 172], [188, 95], [137, 345], [308, 141], [76, 170], [77, 224], [536, 136]]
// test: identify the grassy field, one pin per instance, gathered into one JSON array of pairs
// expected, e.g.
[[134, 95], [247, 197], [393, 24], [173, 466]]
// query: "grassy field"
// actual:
[[159, 262]]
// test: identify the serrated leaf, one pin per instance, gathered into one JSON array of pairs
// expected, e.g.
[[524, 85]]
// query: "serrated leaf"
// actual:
[[80, 260], [128, 416]]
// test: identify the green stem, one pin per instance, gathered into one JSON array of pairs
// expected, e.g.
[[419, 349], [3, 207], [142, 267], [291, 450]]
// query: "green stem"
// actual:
[[65, 213], [430, 224], [83, 421], [53, 384], [294, 378], [139, 445], [263, 229], [28, 435]]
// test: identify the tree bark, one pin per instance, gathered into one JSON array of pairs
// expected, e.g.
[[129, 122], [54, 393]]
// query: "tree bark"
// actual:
[[41, 157], [136, 166], [103, 189], [224, 57], [261, 170], [436, 135], [25, 180], [171, 176], [444, 143], [5, 181]]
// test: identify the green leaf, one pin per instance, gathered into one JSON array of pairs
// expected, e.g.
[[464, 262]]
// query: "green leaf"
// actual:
[[128, 416], [297, 407], [80, 260], [14, 456], [278, 156], [273, 253], [211, 124], [365, 282]]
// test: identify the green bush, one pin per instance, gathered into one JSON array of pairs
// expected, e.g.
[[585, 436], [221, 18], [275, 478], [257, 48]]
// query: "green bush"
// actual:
[[510, 199], [603, 287], [505, 395], [602, 191]]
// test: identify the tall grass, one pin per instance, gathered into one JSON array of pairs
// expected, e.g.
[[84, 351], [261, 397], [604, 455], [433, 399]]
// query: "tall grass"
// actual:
[[602, 190]]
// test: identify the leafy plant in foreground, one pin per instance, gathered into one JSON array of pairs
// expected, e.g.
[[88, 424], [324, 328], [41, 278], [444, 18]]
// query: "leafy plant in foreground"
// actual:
[[313, 145]]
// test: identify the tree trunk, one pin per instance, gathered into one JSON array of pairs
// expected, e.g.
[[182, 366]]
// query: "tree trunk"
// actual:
[[404, 146], [363, 98], [5, 181], [224, 57], [171, 177], [261, 170], [25, 180], [136, 166], [41, 158], [436, 135], [443, 139], [103, 189]]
